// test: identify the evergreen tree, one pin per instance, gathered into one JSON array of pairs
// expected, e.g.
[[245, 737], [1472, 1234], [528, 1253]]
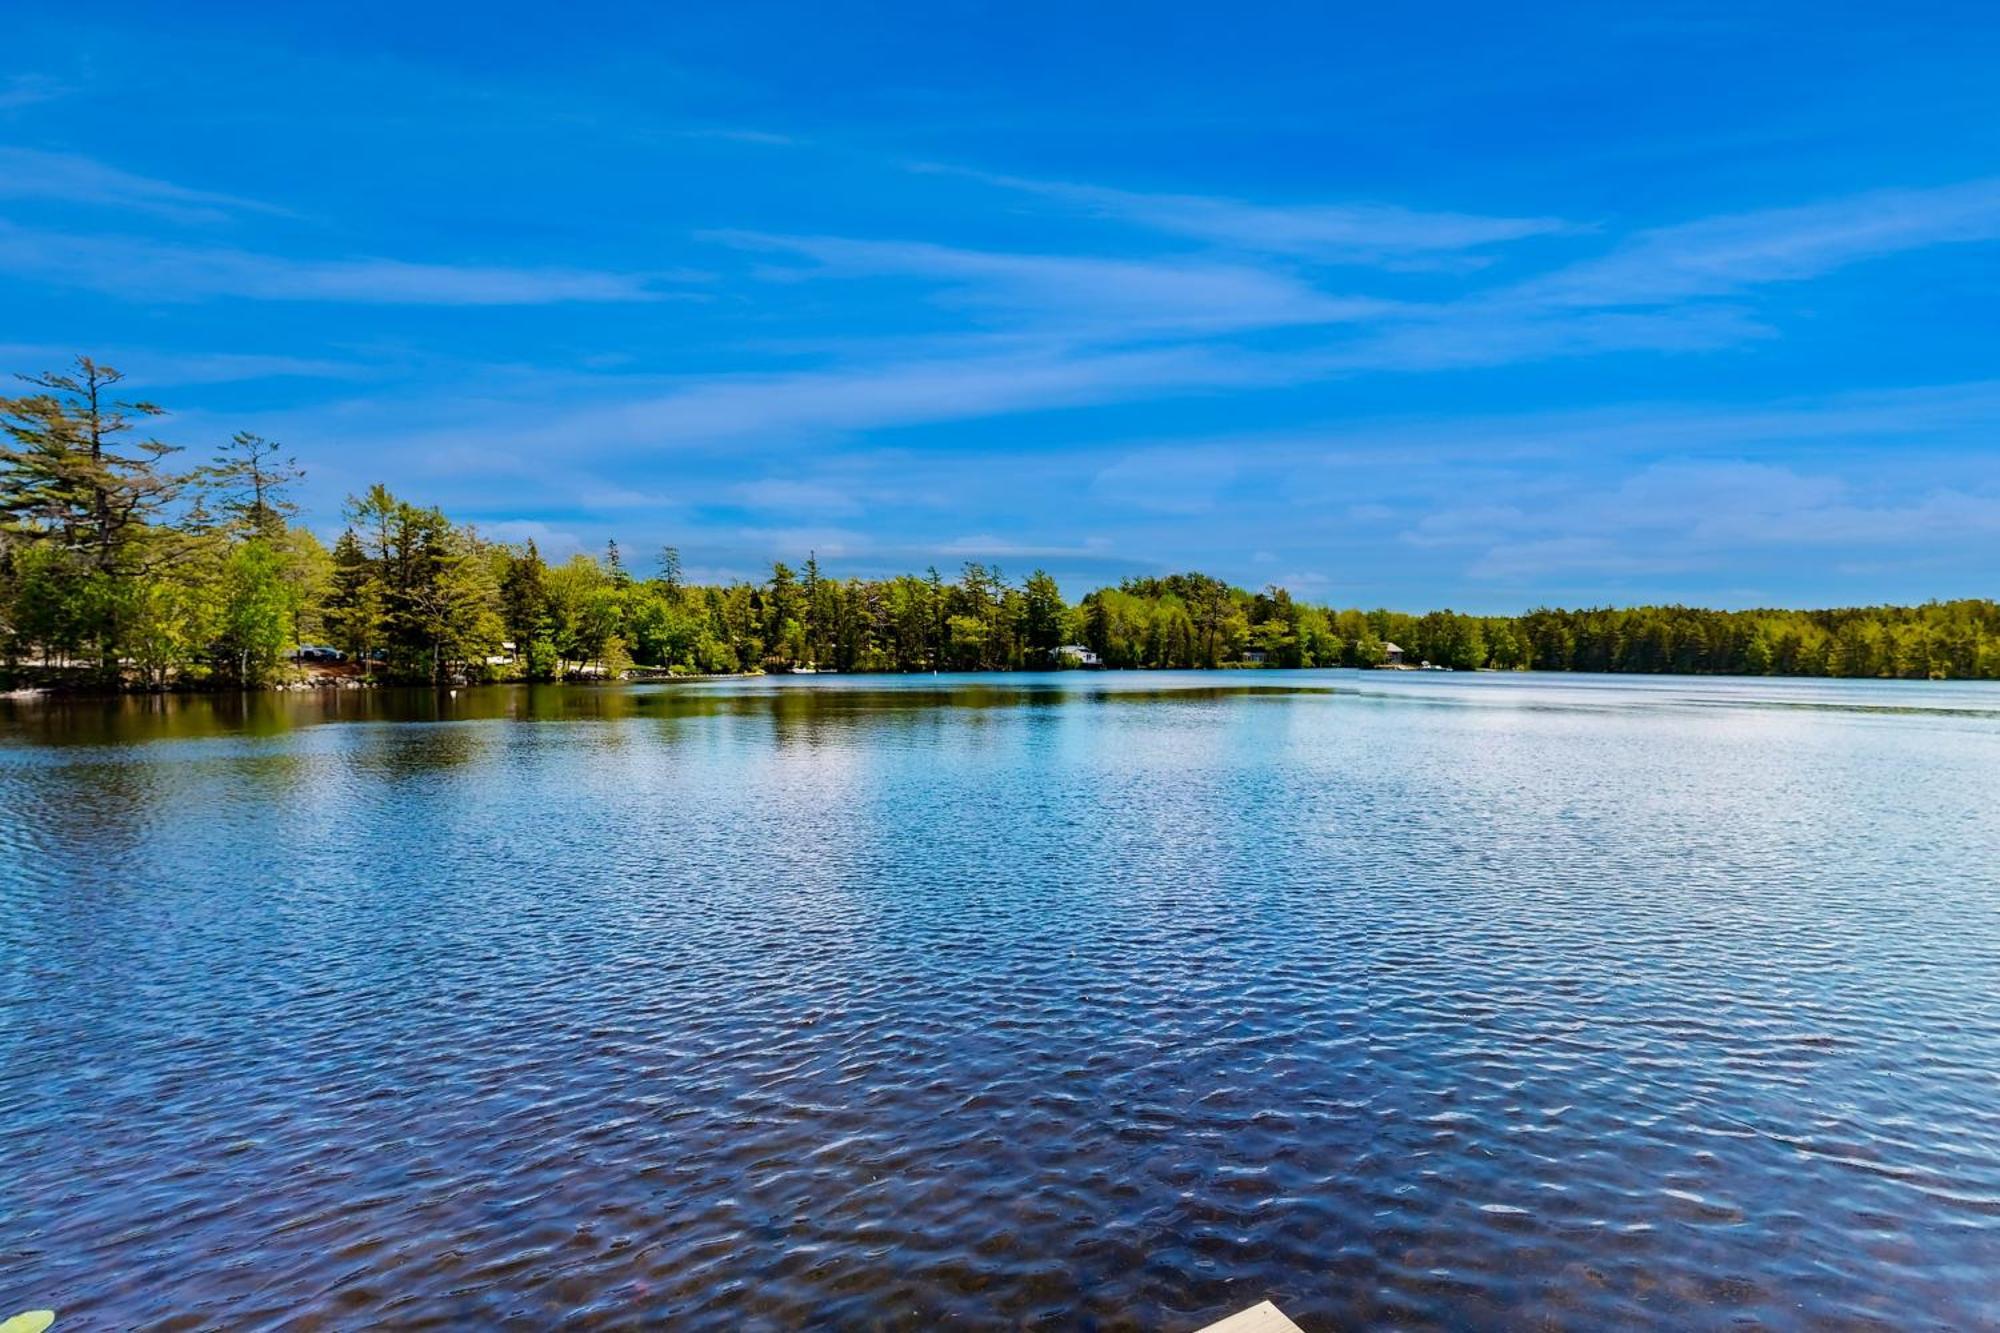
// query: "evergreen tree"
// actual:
[[524, 611], [356, 605], [1042, 616], [76, 477], [73, 475], [252, 482]]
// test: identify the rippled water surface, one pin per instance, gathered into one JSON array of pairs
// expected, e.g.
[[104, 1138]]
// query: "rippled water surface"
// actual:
[[1113, 1001]]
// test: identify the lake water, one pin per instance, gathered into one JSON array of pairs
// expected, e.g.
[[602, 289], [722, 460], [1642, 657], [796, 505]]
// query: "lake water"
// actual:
[[1091, 1001]]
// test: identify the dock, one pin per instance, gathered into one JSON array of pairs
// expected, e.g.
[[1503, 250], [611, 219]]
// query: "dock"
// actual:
[[1261, 1318]]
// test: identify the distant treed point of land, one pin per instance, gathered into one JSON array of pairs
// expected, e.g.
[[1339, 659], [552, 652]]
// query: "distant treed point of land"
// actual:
[[120, 567]]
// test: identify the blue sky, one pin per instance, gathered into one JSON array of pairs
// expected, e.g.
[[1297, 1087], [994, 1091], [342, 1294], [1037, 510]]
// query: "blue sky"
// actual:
[[1406, 305]]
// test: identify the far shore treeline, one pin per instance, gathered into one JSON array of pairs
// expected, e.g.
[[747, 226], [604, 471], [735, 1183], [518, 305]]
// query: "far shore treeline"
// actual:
[[122, 565]]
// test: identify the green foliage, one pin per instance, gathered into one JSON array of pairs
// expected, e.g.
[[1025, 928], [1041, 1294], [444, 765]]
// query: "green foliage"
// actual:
[[355, 611], [257, 611], [76, 481], [1959, 640], [172, 622], [1044, 617]]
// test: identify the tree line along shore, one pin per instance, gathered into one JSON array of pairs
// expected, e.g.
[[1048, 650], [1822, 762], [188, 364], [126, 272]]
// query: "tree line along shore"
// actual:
[[121, 566]]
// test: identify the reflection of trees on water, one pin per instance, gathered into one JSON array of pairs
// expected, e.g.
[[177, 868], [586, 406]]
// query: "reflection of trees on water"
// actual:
[[789, 713], [797, 712]]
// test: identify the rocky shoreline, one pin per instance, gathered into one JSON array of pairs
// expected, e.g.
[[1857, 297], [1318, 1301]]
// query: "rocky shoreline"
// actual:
[[322, 682]]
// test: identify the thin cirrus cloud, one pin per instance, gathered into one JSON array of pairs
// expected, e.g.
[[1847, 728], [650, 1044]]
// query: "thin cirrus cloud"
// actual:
[[729, 413], [1941, 418], [988, 546], [549, 539], [1654, 292], [1354, 232], [782, 495], [628, 418], [490, 428], [27, 173], [732, 134], [177, 369], [1080, 293], [1723, 255], [1473, 334], [1168, 480], [166, 272], [28, 90], [1681, 537], [1052, 296], [734, 412], [1628, 492], [1687, 513]]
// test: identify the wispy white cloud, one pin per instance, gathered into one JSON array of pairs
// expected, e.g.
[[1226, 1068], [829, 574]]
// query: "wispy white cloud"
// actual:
[[1683, 514], [1302, 580], [1352, 232], [1942, 416], [1087, 294], [1598, 558], [1595, 499], [1666, 279], [28, 90], [155, 368], [788, 496], [1719, 256], [1476, 333], [155, 271], [729, 134], [1466, 524], [987, 546], [1167, 480], [792, 542], [594, 492], [1730, 504], [552, 542], [26, 173], [729, 412]]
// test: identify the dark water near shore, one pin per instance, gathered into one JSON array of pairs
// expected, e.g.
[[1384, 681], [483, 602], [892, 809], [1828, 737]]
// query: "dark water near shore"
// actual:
[[1095, 1001]]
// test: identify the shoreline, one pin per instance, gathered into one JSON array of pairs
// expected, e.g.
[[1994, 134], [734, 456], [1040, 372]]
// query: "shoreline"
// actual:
[[337, 685]]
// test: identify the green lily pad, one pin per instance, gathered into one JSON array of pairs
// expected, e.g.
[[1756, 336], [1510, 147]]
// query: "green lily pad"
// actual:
[[29, 1321]]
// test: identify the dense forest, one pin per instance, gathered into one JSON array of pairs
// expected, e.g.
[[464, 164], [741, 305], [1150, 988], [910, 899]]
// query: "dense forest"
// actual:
[[120, 564]]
